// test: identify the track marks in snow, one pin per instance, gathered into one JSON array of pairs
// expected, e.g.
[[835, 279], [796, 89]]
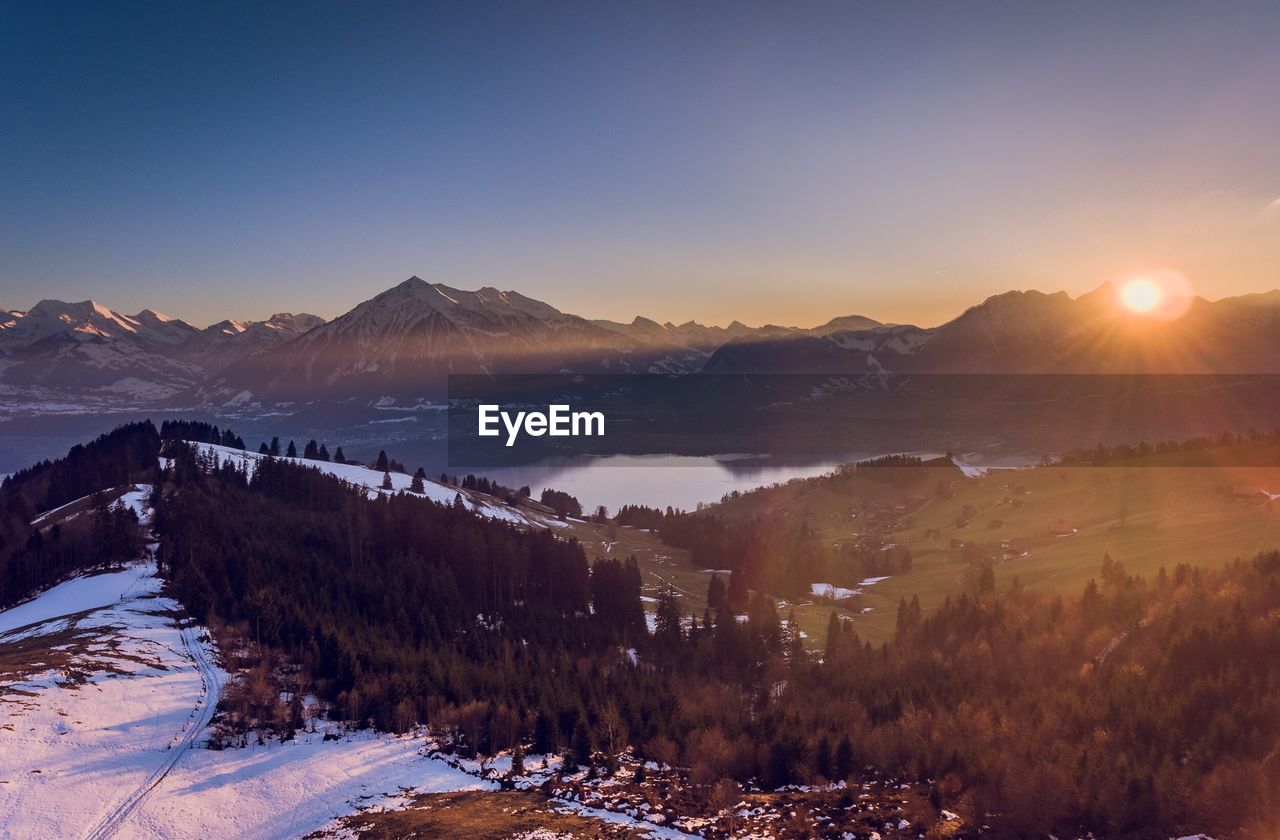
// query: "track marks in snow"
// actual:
[[211, 681]]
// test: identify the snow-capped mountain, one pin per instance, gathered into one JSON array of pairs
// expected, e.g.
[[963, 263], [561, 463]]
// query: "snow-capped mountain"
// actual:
[[161, 329], [87, 318], [226, 342], [86, 346], [58, 349]]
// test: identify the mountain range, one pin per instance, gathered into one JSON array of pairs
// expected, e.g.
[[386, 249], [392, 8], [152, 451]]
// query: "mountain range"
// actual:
[[1034, 332], [406, 340], [84, 348]]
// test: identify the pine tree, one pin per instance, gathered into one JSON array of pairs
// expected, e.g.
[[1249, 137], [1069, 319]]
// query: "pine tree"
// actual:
[[736, 593], [311, 451], [292, 451], [295, 710], [987, 579], [417, 485], [715, 592], [777, 769], [546, 738], [517, 760], [843, 763], [822, 761], [795, 644], [581, 744], [833, 636], [339, 457], [667, 619], [386, 481], [908, 614], [381, 463], [275, 447], [324, 453], [263, 449]]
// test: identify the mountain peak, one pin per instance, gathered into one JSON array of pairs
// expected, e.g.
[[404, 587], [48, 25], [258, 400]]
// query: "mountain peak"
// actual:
[[846, 323], [152, 315], [79, 310]]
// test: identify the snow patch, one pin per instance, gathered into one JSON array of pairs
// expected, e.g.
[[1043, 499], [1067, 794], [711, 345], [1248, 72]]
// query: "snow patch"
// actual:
[[827, 590]]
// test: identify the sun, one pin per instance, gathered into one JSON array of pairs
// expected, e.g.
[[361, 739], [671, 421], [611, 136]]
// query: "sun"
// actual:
[[1141, 295]]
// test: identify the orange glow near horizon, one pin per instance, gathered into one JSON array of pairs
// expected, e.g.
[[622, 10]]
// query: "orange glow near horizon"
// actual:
[[1141, 295], [1164, 295]]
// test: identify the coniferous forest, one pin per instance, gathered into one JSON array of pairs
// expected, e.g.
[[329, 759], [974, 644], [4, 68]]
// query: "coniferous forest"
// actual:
[[1138, 708], [31, 558]]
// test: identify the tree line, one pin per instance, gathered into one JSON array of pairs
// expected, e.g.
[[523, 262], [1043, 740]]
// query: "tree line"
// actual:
[[1122, 453]]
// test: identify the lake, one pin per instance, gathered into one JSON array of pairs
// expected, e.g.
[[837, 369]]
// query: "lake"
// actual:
[[658, 480]]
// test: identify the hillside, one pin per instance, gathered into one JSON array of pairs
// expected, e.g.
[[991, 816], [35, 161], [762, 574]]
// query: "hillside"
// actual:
[[337, 609], [107, 693], [1048, 528], [371, 481]]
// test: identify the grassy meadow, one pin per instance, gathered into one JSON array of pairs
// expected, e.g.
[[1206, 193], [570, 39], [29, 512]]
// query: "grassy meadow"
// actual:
[[1046, 527]]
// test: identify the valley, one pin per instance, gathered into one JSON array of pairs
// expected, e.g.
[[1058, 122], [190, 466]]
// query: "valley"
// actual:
[[242, 709], [649, 421]]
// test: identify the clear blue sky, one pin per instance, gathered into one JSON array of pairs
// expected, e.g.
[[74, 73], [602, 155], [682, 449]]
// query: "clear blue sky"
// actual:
[[783, 162]]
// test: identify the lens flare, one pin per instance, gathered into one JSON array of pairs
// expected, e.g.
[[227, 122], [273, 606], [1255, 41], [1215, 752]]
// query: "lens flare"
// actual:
[[1141, 295], [1162, 295]]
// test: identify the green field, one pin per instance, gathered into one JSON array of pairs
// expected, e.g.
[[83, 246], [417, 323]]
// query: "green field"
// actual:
[[1144, 517]]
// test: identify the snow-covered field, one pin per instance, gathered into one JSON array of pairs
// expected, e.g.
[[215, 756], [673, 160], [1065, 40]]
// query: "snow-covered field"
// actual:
[[372, 481], [100, 691], [103, 703]]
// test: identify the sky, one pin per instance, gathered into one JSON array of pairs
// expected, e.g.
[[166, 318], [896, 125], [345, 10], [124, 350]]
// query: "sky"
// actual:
[[780, 163]]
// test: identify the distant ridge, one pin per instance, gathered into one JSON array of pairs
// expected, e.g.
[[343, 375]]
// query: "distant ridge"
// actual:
[[407, 339]]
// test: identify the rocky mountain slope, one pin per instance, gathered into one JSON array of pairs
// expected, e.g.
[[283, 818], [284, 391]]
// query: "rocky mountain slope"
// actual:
[[226, 342]]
